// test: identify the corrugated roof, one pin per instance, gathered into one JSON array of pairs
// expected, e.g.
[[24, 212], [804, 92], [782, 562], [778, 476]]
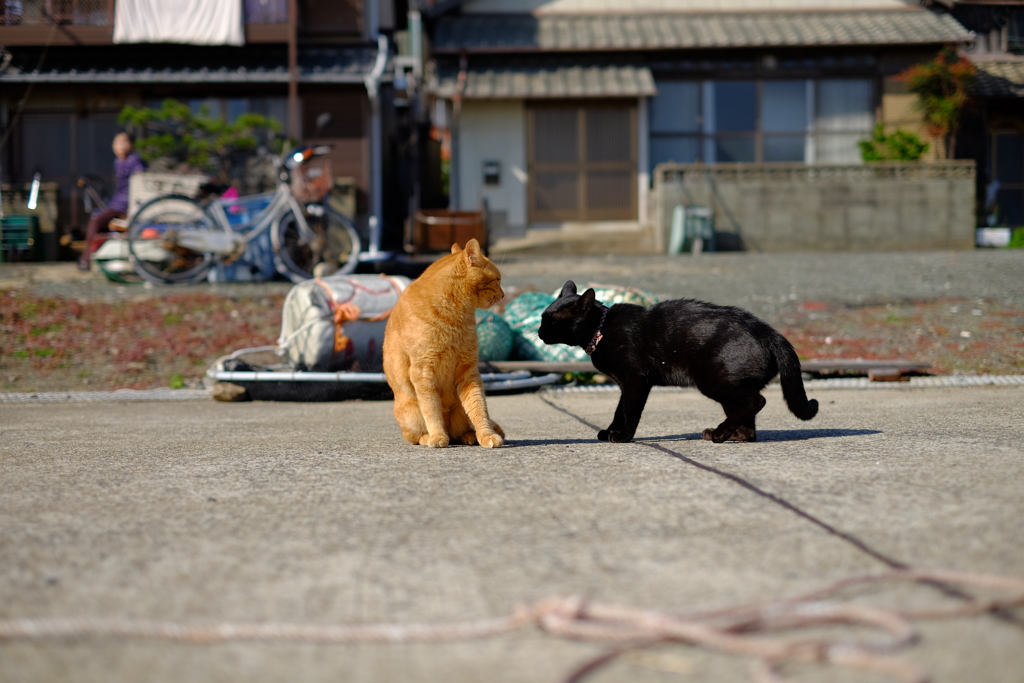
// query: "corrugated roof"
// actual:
[[495, 33], [998, 80], [530, 81], [175, 64]]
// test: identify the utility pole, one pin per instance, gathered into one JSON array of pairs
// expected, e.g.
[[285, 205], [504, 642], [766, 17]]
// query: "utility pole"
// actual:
[[294, 124]]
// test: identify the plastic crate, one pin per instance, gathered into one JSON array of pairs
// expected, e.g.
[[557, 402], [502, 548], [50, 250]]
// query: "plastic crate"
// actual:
[[257, 263], [19, 238]]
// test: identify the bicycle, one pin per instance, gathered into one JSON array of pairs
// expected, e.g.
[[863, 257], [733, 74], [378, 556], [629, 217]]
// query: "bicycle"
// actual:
[[177, 239]]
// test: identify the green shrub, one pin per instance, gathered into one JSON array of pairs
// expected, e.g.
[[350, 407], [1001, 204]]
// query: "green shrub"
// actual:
[[206, 143], [1017, 240], [897, 146]]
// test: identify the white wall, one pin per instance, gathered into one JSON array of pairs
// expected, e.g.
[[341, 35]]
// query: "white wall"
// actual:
[[493, 130], [621, 6]]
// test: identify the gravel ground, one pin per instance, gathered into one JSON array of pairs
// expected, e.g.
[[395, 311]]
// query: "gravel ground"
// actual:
[[767, 283], [963, 312]]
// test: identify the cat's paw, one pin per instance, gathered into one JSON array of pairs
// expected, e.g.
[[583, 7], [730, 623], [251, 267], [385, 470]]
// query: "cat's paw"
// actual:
[[413, 437], [745, 434], [490, 440], [434, 440], [469, 438], [602, 435], [719, 435], [619, 437], [497, 429]]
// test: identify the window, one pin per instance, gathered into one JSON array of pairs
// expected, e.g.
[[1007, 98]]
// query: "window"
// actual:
[[844, 117], [771, 120], [1015, 31], [1008, 170], [733, 118], [232, 108], [675, 116], [582, 162], [784, 120]]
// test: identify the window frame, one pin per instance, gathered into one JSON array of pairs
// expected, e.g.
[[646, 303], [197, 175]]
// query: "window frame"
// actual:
[[994, 148], [706, 136]]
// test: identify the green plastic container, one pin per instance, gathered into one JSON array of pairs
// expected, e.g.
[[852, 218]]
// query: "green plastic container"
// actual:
[[19, 238]]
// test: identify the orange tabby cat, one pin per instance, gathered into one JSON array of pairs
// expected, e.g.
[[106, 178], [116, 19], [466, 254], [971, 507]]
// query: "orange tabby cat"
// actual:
[[430, 352]]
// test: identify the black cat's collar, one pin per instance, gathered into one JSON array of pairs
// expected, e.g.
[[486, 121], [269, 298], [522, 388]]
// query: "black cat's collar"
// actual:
[[592, 346]]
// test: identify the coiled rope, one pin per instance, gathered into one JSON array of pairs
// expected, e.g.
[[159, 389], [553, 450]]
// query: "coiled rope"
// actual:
[[761, 631]]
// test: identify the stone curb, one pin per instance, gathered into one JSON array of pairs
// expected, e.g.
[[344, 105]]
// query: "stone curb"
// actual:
[[165, 394]]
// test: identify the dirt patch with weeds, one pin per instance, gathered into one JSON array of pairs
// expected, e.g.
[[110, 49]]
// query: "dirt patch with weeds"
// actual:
[[58, 344], [51, 343], [957, 336]]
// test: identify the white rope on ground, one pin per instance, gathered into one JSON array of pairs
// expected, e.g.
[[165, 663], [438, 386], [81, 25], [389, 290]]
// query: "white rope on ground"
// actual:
[[758, 631], [167, 394]]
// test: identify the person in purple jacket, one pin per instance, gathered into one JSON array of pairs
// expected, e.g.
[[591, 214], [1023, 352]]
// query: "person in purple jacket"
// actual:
[[127, 163]]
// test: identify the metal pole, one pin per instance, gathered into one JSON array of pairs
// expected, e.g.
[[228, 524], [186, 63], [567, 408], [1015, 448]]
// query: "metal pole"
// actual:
[[372, 82], [417, 113], [4, 122], [454, 191], [294, 125]]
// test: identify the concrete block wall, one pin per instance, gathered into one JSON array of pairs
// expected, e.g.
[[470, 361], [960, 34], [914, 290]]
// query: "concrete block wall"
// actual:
[[890, 206]]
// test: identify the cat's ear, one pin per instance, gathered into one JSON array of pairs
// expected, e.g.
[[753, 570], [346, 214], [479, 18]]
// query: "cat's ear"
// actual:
[[456, 248], [587, 299], [473, 252], [568, 289]]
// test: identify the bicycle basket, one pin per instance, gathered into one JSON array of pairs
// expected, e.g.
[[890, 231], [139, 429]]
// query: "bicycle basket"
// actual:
[[313, 180]]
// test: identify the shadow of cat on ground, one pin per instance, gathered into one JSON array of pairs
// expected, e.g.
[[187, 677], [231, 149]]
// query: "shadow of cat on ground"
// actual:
[[775, 435]]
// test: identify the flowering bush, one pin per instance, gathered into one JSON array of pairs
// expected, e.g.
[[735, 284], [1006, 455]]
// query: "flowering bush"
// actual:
[[941, 86]]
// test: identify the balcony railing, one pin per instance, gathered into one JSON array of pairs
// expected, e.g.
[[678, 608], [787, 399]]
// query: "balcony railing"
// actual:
[[266, 11], [101, 12], [65, 12]]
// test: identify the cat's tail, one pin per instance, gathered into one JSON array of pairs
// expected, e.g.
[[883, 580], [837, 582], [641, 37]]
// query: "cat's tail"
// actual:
[[792, 381]]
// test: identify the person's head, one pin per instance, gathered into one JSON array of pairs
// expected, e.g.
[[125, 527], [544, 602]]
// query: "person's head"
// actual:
[[122, 145]]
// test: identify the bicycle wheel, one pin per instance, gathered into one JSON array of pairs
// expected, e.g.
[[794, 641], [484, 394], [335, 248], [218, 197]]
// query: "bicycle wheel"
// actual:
[[332, 239], [157, 258]]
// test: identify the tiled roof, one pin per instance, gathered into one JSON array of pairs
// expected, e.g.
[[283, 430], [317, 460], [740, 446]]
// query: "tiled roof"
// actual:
[[998, 80], [193, 64], [497, 33], [533, 81]]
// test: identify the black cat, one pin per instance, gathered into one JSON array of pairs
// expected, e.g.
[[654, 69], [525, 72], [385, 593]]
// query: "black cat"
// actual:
[[726, 352]]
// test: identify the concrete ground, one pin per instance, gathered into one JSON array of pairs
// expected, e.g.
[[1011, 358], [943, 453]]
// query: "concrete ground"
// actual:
[[201, 512]]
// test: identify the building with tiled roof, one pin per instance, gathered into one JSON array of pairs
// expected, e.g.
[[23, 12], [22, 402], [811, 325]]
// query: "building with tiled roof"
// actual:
[[66, 73], [992, 128], [571, 104]]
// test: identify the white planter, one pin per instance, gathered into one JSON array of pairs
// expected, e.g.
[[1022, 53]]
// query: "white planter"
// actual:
[[993, 237]]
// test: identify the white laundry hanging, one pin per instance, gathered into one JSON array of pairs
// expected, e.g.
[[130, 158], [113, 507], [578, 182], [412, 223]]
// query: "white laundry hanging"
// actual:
[[196, 22]]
